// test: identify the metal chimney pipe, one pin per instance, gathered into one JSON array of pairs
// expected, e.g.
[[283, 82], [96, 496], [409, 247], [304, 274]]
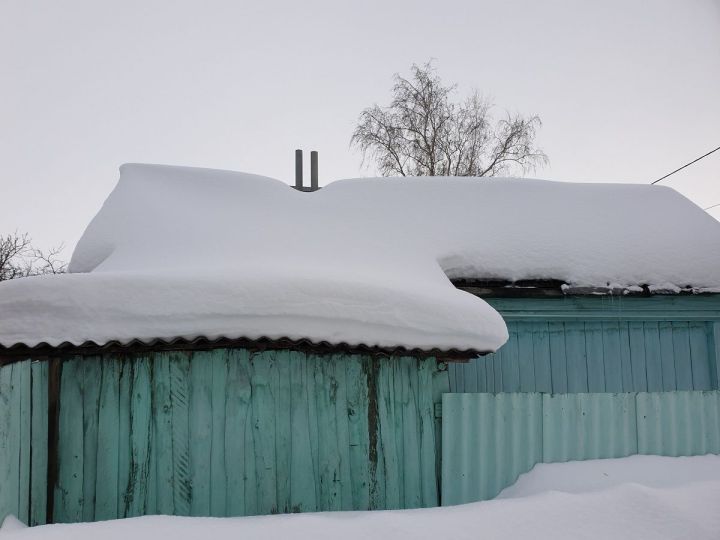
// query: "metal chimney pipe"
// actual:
[[298, 170], [313, 171]]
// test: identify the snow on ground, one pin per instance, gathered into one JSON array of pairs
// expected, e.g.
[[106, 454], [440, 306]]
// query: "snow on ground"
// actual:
[[623, 512], [182, 252], [594, 475]]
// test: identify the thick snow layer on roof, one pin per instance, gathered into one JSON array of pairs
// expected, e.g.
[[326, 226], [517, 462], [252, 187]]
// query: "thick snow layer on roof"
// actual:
[[182, 252]]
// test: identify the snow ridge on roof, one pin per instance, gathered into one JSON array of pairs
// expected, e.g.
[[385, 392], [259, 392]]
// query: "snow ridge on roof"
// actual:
[[183, 252]]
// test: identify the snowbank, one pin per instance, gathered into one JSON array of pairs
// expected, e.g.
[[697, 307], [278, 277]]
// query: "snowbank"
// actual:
[[181, 252], [598, 474], [629, 511]]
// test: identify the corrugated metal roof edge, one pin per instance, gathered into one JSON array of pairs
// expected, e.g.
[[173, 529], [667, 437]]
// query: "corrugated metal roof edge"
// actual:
[[21, 351]]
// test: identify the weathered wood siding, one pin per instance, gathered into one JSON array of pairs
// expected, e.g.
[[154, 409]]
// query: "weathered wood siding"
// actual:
[[600, 345], [490, 439], [230, 433], [23, 441]]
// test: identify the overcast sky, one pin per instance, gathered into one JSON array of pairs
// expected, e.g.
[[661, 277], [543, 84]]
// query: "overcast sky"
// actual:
[[627, 91]]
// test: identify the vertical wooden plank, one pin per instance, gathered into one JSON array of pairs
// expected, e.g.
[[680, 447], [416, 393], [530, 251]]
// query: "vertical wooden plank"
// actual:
[[281, 390], [180, 396], [541, 357], [340, 362], [701, 357], [558, 359], [358, 435], [200, 431], [140, 423], [409, 428], [39, 451], [218, 472], [263, 423], [681, 353], [23, 389], [69, 491], [637, 355], [8, 495], [525, 357], [428, 472], [237, 419], [653, 365], [91, 371], [511, 367], [107, 488], [302, 478], [667, 360], [328, 451], [612, 360], [124, 469], [162, 419], [576, 356], [626, 357], [595, 360]]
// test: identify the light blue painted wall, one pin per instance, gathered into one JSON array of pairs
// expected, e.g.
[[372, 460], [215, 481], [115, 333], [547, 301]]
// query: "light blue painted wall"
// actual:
[[490, 439], [603, 344]]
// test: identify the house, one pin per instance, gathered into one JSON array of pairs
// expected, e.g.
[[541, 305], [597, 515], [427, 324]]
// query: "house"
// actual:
[[225, 345]]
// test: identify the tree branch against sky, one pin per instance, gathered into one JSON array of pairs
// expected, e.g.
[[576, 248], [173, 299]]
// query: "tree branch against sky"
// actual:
[[18, 258], [423, 132]]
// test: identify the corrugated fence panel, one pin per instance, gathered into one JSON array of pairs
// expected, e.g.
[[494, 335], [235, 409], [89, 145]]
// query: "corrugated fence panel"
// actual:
[[595, 356], [490, 439], [228, 432], [23, 441]]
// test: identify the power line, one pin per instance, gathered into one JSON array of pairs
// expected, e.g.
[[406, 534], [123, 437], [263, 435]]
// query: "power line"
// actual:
[[686, 165], [712, 206]]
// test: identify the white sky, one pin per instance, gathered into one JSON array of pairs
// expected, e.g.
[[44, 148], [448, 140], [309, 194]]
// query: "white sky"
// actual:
[[627, 90]]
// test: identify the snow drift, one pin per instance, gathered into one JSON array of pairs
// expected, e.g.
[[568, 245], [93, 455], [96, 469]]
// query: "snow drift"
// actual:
[[182, 252]]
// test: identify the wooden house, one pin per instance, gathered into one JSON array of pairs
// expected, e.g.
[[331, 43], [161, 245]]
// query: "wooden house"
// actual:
[[227, 346]]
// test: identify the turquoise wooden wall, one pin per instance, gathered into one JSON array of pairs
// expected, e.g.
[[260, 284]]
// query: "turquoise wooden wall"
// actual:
[[490, 439], [232, 433], [23, 441], [579, 344]]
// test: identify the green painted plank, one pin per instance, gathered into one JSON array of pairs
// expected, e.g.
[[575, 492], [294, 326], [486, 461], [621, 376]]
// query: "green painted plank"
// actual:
[[700, 357], [69, 490], [340, 362], [282, 388], [140, 425], [653, 359], [200, 431], [667, 356], [263, 420], [303, 495], [612, 361], [180, 396], [124, 470], [91, 369], [8, 495], [626, 357], [595, 356], [576, 357], [24, 390], [428, 436], [558, 359], [681, 355], [525, 357], [541, 357], [107, 487], [162, 418], [358, 434], [218, 472], [328, 448], [637, 356], [511, 366], [39, 457], [488, 374], [237, 413]]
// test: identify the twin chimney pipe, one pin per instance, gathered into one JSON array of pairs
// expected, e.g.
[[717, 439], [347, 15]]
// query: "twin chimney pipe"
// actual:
[[299, 171]]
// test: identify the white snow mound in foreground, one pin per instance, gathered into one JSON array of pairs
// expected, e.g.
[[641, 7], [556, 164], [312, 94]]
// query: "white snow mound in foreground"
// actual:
[[182, 252], [599, 474], [630, 512]]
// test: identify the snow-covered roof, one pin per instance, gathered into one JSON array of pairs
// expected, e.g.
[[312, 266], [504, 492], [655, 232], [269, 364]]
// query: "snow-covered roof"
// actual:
[[183, 252]]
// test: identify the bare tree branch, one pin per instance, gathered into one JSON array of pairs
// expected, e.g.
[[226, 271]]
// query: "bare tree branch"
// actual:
[[19, 259], [423, 133]]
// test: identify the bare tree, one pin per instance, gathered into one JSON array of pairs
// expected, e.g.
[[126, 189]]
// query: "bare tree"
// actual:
[[424, 133], [18, 258]]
